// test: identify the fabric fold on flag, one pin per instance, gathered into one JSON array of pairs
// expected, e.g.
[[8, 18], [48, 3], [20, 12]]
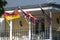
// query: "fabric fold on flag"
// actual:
[[12, 16], [7, 16], [16, 15], [24, 14], [28, 15]]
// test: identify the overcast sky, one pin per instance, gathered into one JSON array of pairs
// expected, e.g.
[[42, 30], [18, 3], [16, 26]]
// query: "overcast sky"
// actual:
[[14, 3]]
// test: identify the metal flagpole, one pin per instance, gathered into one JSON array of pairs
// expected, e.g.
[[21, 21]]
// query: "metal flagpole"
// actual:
[[51, 25], [29, 29], [10, 29], [29, 23], [5, 24], [1, 20]]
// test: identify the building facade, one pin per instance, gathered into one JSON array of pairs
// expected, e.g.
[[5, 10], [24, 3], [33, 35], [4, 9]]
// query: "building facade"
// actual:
[[18, 30]]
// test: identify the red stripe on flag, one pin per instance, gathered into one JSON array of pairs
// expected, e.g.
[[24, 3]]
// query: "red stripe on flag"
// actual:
[[6, 14], [16, 12]]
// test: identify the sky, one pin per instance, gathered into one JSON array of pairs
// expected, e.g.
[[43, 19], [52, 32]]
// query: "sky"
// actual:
[[14, 3]]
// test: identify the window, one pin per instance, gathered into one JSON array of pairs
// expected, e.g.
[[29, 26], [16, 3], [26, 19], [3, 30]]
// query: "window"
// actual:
[[21, 23], [57, 20], [42, 26]]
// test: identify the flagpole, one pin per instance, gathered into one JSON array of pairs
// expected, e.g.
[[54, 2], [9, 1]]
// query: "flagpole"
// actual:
[[51, 25], [10, 29], [29, 29], [29, 23]]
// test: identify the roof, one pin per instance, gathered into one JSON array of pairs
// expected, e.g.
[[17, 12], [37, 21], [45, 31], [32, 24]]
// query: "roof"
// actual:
[[52, 4], [35, 6]]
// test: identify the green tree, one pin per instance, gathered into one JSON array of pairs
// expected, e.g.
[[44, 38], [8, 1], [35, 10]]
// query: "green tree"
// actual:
[[2, 4]]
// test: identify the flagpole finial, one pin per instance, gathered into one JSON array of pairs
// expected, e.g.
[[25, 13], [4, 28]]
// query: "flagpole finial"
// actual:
[[19, 8]]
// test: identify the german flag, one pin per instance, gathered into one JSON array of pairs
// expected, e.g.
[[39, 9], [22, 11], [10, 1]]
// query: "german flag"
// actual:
[[12, 16]]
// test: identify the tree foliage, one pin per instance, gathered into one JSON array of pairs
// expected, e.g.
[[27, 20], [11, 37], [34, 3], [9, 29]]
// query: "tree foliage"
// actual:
[[2, 4]]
